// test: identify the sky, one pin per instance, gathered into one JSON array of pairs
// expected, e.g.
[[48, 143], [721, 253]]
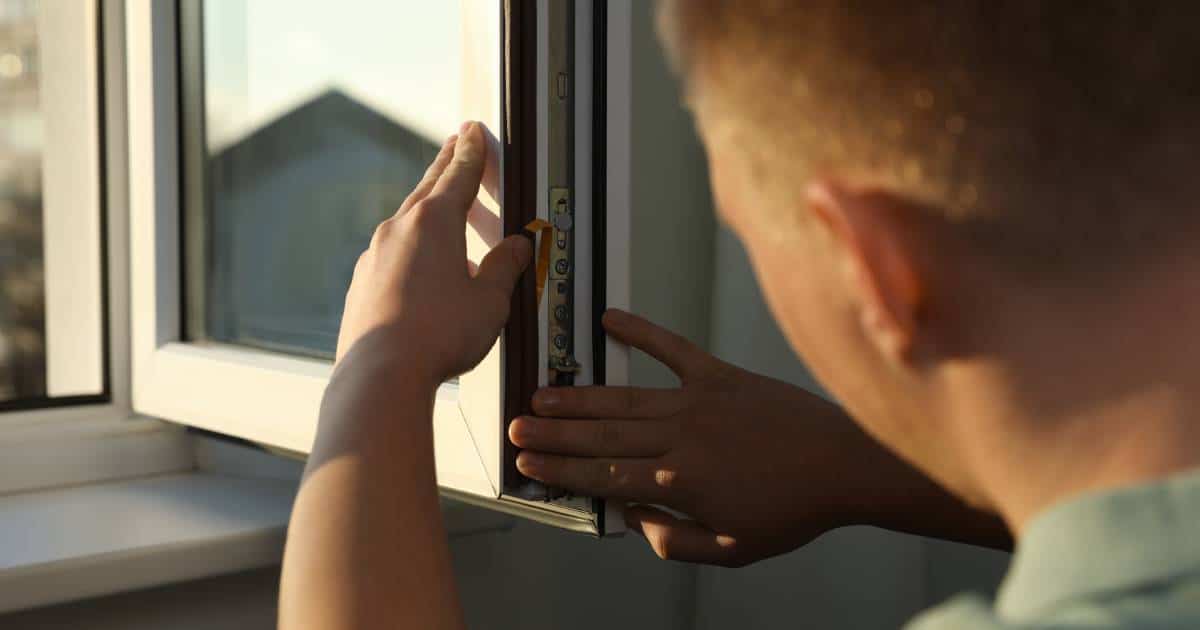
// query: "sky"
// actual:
[[264, 57]]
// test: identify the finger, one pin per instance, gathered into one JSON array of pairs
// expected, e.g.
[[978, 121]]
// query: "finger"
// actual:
[[491, 167], [593, 438], [458, 185], [486, 223], [435, 170], [681, 539], [343, 341], [596, 401], [501, 268], [634, 479], [684, 358]]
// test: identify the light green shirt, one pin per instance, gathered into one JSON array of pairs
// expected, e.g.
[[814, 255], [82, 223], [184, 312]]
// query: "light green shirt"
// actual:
[[1128, 558]]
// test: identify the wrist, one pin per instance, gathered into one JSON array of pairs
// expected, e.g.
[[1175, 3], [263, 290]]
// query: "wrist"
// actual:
[[374, 381], [861, 472], [394, 354], [372, 404]]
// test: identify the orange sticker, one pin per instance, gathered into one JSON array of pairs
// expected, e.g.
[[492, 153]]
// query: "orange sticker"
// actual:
[[541, 229]]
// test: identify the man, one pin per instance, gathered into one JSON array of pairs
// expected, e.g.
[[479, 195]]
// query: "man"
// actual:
[[973, 220]]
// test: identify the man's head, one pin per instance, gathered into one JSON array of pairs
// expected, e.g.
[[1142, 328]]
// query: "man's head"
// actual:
[[912, 179]]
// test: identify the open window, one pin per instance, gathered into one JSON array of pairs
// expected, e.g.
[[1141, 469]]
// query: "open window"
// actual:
[[269, 137], [557, 142], [52, 310]]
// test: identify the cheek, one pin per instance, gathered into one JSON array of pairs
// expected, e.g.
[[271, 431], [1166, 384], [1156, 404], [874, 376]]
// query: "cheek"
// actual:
[[804, 292], [812, 308], [727, 211], [796, 287], [731, 198]]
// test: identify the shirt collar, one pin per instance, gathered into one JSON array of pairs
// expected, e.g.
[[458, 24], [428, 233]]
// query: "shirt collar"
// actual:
[[1105, 542]]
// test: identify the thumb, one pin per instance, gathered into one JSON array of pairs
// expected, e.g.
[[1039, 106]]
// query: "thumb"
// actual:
[[502, 267], [680, 539]]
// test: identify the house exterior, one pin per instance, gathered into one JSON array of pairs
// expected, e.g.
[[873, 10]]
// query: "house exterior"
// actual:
[[292, 205]]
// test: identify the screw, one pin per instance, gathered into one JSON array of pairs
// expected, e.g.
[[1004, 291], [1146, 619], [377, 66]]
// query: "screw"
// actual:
[[560, 342]]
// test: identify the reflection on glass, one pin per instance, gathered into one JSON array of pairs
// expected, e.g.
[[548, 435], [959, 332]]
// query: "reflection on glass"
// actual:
[[319, 119], [22, 306]]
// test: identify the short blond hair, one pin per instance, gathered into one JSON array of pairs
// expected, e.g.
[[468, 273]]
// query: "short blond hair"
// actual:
[[1050, 131]]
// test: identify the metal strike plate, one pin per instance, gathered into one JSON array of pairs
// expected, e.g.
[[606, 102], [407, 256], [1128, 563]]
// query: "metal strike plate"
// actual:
[[560, 302]]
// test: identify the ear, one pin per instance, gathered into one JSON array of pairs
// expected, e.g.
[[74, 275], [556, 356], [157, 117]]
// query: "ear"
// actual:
[[872, 234]]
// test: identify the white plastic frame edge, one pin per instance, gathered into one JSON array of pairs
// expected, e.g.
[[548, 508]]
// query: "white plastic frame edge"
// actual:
[[618, 146], [101, 441], [71, 217], [258, 396]]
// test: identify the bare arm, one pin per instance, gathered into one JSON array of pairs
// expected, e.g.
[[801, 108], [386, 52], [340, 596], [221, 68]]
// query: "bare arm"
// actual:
[[896, 496], [366, 545], [367, 548]]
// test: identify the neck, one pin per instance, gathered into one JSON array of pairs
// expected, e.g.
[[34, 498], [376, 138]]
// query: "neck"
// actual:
[[1088, 400], [1148, 435]]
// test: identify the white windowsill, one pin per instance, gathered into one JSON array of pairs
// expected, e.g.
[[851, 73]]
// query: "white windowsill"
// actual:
[[85, 541], [69, 543]]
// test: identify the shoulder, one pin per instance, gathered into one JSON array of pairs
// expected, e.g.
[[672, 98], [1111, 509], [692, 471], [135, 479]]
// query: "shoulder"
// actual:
[[962, 612], [1173, 607]]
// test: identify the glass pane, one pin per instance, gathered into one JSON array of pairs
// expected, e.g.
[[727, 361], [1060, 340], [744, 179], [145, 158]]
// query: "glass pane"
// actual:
[[318, 119], [22, 305]]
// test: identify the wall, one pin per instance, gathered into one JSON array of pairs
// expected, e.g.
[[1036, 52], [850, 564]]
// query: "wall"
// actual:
[[531, 577], [245, 601], [673, 224]]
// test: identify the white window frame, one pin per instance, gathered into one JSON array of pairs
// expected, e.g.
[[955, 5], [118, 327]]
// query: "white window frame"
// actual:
[[273, 399], [267, 398], [69, 104], [100, 460], [87, 434], [71, 214]]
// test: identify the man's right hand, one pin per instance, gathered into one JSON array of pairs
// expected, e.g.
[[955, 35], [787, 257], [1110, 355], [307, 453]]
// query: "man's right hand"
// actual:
[[759, 466]]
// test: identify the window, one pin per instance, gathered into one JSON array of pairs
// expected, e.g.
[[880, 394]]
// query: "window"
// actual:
[[66, 418], [51, 322], [22, 288], [317, 119], [267, 139]]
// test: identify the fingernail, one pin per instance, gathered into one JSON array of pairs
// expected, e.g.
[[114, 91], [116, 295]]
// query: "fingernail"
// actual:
[[465, 126], [466, 145], [546, 398], [614, 317], [521, 430], [450, 140], [529, 463]]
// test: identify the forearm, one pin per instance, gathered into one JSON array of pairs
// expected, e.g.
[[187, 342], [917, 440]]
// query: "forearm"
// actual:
[[366, 547], [887, 492]]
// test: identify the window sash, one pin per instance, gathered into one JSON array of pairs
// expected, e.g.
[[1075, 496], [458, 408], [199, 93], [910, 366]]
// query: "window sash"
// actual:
[[72, 207], [263, 397], [99, 438], [274, 399], [71, 190]]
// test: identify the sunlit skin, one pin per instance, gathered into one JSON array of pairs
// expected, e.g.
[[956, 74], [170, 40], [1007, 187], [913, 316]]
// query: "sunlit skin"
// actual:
[[1013, 396], [972, 386], [366, 554], [357, 557]]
